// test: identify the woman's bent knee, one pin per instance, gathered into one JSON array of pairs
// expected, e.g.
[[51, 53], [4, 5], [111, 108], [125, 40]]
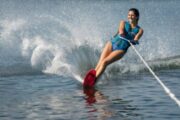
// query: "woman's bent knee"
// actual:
[[105, 62]]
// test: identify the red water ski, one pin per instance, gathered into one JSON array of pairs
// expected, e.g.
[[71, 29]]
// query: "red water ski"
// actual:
[[90, 79]]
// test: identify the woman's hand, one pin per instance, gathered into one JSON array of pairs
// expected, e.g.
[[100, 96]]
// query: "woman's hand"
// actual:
[[134, 42]]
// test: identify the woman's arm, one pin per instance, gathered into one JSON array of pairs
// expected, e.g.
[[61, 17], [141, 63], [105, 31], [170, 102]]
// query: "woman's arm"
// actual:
[[139, 34], [121, 28]]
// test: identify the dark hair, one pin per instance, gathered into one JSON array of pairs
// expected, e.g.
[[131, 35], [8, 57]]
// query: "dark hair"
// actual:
[[136, 12]]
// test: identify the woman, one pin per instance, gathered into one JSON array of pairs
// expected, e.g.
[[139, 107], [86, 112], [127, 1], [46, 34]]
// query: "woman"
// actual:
[[116, 48]]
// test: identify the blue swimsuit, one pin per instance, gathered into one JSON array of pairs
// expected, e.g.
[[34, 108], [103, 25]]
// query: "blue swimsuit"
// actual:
[[118, 43]]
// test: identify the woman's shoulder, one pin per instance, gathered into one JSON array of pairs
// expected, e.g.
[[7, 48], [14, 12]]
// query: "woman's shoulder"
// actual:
[[141, 30], [139, 27]]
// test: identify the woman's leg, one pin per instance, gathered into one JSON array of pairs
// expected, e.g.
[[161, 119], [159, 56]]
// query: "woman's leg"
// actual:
[[112, 57], [106, 51]]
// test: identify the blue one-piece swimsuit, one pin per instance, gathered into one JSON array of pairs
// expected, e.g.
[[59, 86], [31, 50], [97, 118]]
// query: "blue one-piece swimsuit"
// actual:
[[120, 44]]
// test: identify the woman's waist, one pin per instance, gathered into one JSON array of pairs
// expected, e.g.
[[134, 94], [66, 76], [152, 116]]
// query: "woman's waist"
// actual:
[[118, 37]]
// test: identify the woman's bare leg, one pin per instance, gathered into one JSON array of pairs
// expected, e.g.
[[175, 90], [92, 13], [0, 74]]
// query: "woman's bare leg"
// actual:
[[106, 51], [112, 57]]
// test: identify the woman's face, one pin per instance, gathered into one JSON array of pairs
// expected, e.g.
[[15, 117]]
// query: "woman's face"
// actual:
[[132, 17]]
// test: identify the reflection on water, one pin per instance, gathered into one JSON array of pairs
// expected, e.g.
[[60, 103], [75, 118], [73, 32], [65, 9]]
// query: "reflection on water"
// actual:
[[98, 103], [94, 96]]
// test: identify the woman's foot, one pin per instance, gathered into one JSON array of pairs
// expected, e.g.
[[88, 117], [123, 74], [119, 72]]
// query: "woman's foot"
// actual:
[[90, 79]]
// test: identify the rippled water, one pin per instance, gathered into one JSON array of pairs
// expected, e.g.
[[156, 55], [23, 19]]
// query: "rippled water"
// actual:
[[51, 97]]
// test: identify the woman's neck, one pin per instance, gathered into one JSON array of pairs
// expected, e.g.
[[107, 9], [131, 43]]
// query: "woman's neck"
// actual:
[[133, 24]]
